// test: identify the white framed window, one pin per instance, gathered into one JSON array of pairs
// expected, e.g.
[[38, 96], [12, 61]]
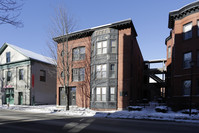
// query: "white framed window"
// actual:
[[186, 60], [187, 31], [101, 94], [186, 87], [78, 74], [169, 52], [101, 71], [102, 47], [112, 71], [21, 74], [9, 75], [79, 53], [112, 93], [7, 57]]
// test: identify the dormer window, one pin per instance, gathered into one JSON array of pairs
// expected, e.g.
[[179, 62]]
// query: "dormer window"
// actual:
[[7, 57], [187, 31]]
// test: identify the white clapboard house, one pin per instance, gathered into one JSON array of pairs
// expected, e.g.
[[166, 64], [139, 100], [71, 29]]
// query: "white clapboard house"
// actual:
[[26, 78]]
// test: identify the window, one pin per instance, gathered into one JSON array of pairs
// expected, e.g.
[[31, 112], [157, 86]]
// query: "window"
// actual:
[[102, 47], [42, 75], [169, 52], [81, 74], [101, 71], [113, 46], [62, 53], [7, 57], [187, 31], [112, 71], [186, 87], [79, 53], [62, 74], [78, 74], [101, 94], [8, 75], [187, 59], [21, 74], [112, 93]]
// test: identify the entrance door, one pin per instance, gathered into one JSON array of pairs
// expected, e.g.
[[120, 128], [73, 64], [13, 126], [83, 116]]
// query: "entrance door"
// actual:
[[72, 96], [20, 98], [62, 96], [9, 95]]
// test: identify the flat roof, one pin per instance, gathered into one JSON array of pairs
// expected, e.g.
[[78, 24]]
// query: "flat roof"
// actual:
[[182, 12], [88, 32]]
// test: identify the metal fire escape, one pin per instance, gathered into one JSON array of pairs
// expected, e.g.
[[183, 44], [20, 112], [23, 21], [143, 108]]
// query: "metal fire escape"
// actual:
[[154, 79]]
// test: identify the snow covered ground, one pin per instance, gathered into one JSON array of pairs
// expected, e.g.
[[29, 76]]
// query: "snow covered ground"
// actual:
[[148, 113]]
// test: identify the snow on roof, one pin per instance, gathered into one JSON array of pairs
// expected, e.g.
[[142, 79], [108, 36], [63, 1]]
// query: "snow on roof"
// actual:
[[33, 55]]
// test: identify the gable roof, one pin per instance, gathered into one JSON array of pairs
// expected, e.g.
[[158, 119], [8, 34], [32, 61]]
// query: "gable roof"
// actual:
[[29, 54]]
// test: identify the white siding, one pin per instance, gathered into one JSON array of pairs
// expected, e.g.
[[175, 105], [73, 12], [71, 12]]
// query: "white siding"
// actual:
[[14, 55]]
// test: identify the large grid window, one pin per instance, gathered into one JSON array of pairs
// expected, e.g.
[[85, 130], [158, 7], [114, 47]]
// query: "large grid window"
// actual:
[[113, 46], [21, 74], [7, 57], [102, 47], [186, 87], [78, 74], [112, 71], [187, 31], [186, 60], [112, 93], [79, 53], [9, 75], [101, 71], [101, 94], [42, 75]]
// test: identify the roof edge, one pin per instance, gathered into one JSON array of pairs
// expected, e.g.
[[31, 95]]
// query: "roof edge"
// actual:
[[87, 32], [182, 12]]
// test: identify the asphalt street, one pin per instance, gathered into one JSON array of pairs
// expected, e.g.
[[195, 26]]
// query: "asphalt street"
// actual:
[[21, 122]]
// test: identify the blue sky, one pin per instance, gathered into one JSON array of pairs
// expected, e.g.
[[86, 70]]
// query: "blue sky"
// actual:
[[150, 18]]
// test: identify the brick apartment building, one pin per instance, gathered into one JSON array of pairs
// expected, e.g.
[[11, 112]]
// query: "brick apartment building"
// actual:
[[183, 55], [105, 66]]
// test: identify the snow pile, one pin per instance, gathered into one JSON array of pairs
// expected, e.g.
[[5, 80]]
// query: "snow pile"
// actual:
[[162, 109], [149, 112]]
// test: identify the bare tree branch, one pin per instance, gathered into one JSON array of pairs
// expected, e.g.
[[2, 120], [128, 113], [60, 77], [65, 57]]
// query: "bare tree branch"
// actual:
[[9, 12]]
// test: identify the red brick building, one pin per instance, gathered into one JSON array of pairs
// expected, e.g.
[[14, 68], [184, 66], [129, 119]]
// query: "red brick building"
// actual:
[[105, 66], [183, 56]]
